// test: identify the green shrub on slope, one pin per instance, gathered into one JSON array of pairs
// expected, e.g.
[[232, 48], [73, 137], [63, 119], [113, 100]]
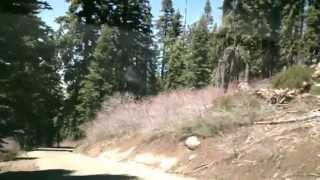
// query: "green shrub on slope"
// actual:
[[315, 90], [292, 78]]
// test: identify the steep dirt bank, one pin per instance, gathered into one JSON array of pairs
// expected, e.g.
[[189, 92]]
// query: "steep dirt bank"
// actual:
[[279, 148]]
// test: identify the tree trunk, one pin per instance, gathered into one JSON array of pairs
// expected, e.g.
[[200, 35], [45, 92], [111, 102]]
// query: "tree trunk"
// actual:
[[247, 73]]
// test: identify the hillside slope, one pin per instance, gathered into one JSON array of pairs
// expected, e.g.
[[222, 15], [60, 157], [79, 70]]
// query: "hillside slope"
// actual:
[[279, 141]]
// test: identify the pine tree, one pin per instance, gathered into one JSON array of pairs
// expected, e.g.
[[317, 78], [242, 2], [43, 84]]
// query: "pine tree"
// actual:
[[165, 34], [30, 83], [292, 31], [122, 60], [312, 34], [101, 79], [177, 66], [27, 7], [76, 43], [174, 57], [208, 13], [177, 27], [198, 63], [254, 26], [133, 18]]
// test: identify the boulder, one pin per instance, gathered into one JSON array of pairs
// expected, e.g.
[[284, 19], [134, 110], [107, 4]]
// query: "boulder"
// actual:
[[192, 143]]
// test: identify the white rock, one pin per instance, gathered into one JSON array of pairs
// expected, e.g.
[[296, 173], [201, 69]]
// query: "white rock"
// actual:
[[192, 142], [191, 157]]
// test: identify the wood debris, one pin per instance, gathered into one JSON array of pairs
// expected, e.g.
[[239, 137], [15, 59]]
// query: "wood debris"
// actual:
[[314, 115], [277, 96]]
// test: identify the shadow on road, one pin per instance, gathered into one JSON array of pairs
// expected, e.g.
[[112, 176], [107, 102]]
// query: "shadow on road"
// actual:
[[23, 159], [59, 175], [59, 149]]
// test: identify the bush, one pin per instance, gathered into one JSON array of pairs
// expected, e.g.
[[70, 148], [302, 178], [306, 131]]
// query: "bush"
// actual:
[[10, 156], [292, 78], [315, 90], [227, 113], [237, 101], [162, 114], [205, 112]]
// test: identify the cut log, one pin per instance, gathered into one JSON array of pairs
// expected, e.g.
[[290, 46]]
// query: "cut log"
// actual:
[[309, 117]]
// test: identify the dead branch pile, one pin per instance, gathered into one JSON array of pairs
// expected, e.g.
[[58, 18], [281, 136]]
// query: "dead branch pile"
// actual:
[[277, 96]]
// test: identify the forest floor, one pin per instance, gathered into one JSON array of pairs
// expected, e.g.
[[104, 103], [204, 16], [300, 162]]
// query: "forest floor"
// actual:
[[57, 165]]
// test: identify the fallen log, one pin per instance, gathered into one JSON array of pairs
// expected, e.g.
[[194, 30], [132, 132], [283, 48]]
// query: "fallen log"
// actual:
[[309, 117]]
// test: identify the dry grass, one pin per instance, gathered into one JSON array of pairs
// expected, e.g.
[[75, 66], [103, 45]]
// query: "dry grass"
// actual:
[[203, 112]]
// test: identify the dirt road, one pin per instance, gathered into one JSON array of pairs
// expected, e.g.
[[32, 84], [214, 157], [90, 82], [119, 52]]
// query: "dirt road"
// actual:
[[53, 165]]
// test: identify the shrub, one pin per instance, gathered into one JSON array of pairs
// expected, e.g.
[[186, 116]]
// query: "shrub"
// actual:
[[204, 112], [292, 78], [161, 114], [315, 90], [227, 112], [10, 156]]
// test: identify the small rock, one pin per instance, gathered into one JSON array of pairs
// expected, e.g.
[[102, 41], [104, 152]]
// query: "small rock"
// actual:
[[191, 157], [192, 143]]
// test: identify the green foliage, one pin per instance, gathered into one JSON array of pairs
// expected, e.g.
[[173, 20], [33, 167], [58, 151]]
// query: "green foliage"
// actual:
[[30, 84], [238, 100], [199, 66], [177, 66], [200, 128], [315, 90], [76, 43], [169, 28], [208, 13], [228, 112], [105, 47], [291, 41], [293, 77], [189, 63], [26, 7], [100, 80], [104, 59], [254, 25], [10, 156], [312, 36]]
